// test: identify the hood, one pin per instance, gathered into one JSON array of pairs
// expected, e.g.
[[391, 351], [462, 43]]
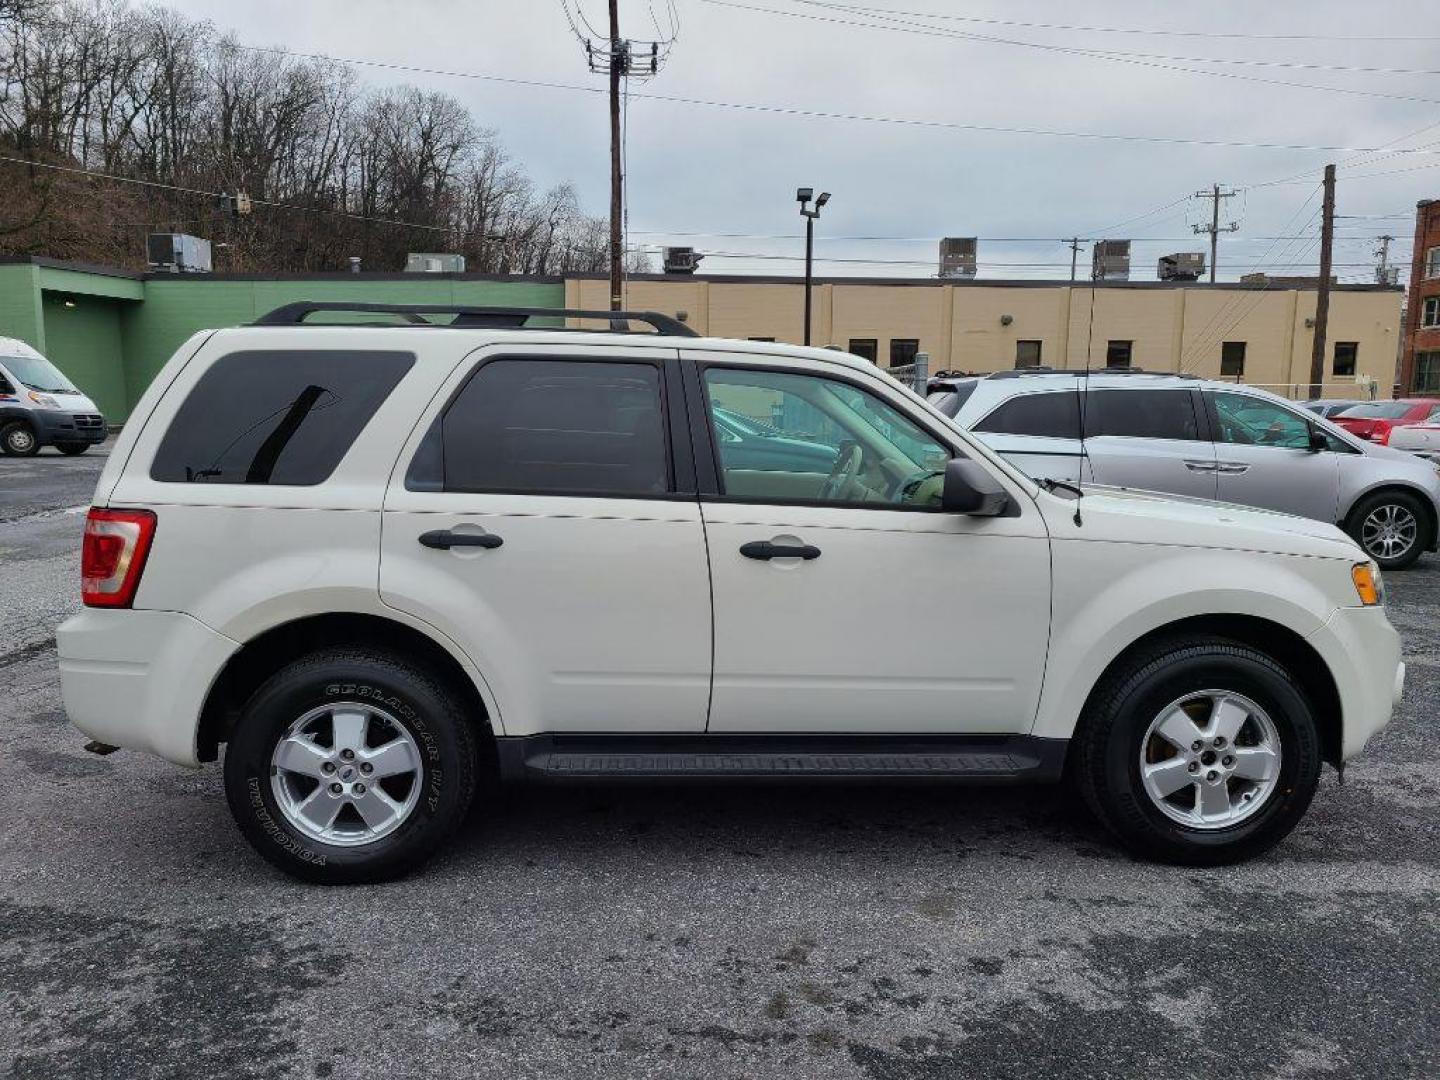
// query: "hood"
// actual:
[[75, 403], [1146, 518]]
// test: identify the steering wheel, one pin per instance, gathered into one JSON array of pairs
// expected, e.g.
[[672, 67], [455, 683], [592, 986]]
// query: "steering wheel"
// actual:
[[842, 474]]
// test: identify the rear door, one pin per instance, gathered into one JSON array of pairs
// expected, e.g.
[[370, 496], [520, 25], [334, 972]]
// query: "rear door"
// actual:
[[1149, 439], [1263, 457], [543, 515]]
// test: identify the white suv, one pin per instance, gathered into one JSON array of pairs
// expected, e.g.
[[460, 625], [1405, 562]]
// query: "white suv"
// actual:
[[386, 564]]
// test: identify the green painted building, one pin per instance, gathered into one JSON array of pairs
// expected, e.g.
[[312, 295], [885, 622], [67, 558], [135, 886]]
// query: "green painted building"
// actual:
[[111, 330]]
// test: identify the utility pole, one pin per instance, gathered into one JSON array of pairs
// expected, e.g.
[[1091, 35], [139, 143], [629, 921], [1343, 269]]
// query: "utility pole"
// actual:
[[1385, 274], [1074, 244], [1214, 228], [1322, 293], [619, 60]]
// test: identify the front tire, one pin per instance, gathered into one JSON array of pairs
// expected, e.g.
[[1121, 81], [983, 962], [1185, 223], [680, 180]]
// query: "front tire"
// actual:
[[1199, 752], [73, 449], [18, 440], [350, 766], [1392, 528]]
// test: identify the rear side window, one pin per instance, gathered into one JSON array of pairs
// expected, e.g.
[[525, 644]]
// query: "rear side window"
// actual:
[[276, 417], [1054, 415], [1141, 414], [949, 398], [559, 427]]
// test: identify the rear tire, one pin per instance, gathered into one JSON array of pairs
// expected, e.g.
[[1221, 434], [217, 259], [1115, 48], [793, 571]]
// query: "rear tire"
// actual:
[[338, 712], [1120, 736], [73, 449], [1392, 527], [18, 440]]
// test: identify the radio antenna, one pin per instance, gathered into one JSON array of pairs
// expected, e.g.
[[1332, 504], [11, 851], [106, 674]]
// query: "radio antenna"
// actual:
[[1084, 400]]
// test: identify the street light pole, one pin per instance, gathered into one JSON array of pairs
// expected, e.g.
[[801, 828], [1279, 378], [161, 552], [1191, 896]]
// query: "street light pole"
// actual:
[[803, 196]]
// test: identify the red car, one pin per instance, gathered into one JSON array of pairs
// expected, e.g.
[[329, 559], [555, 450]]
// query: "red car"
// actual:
[[1376, 419]]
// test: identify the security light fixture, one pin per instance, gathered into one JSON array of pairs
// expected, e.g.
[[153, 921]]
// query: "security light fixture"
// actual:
[[804, 194], [822, 200]]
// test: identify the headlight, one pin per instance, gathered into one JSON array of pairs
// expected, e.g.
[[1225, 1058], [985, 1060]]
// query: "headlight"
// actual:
[[45, 401], [1368, 583]]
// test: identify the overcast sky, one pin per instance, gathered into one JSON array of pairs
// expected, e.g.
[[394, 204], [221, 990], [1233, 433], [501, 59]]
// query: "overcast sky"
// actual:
[[709, 170]]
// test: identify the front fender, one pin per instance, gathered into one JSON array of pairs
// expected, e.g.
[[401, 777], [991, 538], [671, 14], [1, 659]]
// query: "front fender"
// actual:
[[1110, 595]]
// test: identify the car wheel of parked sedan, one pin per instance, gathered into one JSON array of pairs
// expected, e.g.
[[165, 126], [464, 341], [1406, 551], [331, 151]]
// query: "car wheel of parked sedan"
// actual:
[[1201, 751], [1392, 528], [73, 448], [17, 440], [350, 766]]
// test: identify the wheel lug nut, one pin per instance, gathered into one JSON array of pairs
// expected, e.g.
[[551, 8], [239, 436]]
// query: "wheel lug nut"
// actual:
[[1196, 745], [1194, 766], [336, 789], [359, 789], [1219, 741], [366, 768], [1211, 775], [1229, 761], [347, 755], [328, 767]]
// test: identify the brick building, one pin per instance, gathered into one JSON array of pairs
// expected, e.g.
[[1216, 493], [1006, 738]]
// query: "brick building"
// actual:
[[1420, 360]]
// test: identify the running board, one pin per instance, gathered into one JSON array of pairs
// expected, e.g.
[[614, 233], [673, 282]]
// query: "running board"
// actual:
[[965, 759]]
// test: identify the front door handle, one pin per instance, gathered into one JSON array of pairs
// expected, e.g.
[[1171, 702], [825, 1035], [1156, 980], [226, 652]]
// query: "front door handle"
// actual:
[[446, 539], [764, 549]]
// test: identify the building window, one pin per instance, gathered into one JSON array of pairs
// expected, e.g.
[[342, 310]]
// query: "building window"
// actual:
[[1430, 312], [1432, 262], [1232, 360], [1345, 354], [865, 348], [1027, 354], [1427, 373], [1117, 353], [903, 350]]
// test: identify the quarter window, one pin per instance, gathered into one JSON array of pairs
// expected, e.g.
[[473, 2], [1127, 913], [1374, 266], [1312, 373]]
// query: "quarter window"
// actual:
[[275, 417], [806, 438], [1140, 414], [1232, 360], [1052, 415], [1345, 354], [556, 427]]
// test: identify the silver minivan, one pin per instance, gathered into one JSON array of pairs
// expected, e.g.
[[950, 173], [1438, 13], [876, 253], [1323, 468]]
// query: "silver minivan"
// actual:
[[39, 406], [1213, 440]]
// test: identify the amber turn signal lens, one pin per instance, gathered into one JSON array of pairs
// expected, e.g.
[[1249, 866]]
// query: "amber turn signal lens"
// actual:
[[1367, 583]]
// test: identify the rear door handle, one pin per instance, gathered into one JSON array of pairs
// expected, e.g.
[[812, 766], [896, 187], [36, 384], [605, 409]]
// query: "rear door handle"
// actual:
[[446, 539], [1200, 466], [764, 549]]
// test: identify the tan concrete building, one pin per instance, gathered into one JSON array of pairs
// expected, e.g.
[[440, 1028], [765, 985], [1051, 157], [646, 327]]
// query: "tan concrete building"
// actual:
[[1256, 334]]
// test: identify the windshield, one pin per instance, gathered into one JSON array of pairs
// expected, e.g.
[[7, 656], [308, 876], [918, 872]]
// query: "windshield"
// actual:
[[1377, 410], [38, 374]]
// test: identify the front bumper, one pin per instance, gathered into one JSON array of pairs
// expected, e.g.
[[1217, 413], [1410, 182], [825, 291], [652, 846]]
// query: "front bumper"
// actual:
[[53, 427], [138, 679], [1362, 650]]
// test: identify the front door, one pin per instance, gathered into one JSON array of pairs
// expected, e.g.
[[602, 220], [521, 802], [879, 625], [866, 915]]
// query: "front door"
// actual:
[[844, 601], [1263, 458], [541, 519]]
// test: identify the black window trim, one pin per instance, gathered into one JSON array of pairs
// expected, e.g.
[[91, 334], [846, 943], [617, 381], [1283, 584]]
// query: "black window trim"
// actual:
[[707, 455], [680, 459]]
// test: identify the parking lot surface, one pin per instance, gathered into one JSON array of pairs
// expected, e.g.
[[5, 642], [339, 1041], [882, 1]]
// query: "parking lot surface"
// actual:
[[866, 932]]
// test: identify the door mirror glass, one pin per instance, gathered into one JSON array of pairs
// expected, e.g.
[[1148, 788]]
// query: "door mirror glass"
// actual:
[[1318, 441], [969, 489]]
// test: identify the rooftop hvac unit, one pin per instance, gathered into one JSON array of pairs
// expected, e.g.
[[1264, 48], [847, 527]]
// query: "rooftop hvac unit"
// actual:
[[957, 257], [1110, 261], [179, 253], [1182, 266], [425, 262], [681, 260]]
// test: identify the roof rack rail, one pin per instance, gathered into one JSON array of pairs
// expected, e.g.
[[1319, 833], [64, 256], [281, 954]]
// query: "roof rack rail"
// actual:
[[1021, 373], [511, 318]]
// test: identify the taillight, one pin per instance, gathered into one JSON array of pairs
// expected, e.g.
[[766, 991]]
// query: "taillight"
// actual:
[[1381, 434], [113, 555]]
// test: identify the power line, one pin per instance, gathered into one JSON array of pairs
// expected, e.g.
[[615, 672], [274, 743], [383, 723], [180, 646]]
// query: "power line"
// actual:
[[1137, 30], [823, 114]]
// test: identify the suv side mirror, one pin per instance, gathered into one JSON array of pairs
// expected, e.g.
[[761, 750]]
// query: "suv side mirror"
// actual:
[[1318, 441], [969, 489]]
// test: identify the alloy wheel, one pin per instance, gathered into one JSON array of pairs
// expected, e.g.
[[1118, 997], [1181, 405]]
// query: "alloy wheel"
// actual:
[[1389, 531], [346, 774], [1211, 759]]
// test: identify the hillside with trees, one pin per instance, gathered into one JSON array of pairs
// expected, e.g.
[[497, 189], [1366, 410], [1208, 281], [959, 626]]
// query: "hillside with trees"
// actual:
[[182, 112]]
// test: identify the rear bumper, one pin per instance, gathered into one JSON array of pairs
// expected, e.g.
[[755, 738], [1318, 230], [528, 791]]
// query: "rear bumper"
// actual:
[[138, 679], [1362, 650]]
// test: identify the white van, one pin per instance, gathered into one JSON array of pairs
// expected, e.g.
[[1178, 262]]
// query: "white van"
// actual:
[[39, 406]]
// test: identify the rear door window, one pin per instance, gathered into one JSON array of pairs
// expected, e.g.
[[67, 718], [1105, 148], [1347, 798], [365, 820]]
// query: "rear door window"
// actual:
[[558, 427], [1054, 414], [276, 416], [1141, 414]]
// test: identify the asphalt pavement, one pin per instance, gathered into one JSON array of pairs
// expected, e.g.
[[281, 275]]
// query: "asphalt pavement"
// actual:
[[876, 933]]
